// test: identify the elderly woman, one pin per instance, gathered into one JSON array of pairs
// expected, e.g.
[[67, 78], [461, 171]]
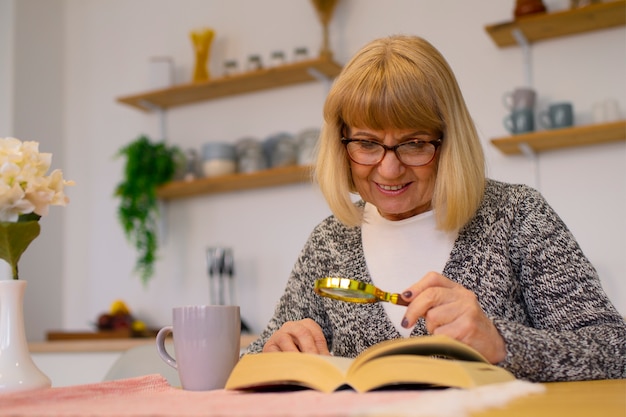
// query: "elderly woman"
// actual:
[[487, 263]]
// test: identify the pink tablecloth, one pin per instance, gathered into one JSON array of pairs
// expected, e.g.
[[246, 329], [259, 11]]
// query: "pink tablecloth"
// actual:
[[151, 395]]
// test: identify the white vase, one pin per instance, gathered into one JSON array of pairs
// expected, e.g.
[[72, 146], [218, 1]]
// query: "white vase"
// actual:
[[18, 372]]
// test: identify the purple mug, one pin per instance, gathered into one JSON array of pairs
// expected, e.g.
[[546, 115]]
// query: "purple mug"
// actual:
[[206, 345]]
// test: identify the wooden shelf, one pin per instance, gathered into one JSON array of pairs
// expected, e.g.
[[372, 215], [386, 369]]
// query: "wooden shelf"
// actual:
[[563, 138], [568, 22], [225, 183], [300, 72]]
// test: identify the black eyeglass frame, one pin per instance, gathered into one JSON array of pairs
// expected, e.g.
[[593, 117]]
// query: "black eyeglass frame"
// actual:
[[436, 143]]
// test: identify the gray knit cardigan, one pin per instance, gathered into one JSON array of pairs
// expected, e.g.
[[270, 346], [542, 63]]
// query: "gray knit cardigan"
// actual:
[[525, 267]]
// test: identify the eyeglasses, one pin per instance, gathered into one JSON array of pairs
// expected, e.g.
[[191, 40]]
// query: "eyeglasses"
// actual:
[[414, 153]]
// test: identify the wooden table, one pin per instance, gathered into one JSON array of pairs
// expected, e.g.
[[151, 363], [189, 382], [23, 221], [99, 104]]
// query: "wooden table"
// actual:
[[152, 396], [606, 398]]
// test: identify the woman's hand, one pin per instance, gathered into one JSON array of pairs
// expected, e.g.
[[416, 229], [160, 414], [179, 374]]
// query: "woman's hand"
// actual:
[[452, 310], [298, 336]]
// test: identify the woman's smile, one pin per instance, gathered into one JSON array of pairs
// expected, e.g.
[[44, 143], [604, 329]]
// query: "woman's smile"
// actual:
[[393, 189], [398, 191]]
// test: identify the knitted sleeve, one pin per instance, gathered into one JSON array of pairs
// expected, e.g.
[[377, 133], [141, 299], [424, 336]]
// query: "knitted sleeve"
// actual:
[[299, 301], [572, 331]]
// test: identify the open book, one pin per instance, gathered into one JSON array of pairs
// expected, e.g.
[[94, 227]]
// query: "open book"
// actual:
[[437, 361]]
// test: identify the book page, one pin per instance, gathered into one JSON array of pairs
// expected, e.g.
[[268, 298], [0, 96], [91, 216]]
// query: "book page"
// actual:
[[397, 370], [342, 364], [266, 370], [438, 346]]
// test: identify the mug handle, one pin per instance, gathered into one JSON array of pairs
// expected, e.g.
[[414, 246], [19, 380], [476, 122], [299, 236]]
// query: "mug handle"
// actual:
[[544, 119], [509, 124], [507, 100], [160, 345]]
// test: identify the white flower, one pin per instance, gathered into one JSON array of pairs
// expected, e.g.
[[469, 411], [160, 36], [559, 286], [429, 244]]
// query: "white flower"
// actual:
[[24, 186]]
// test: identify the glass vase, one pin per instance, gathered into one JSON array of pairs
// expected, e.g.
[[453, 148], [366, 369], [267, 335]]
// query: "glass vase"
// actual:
[[18, 372]]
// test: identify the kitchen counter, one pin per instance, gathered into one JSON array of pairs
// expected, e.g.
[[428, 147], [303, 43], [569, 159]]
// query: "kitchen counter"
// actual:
[[73, 362], [104, 345]]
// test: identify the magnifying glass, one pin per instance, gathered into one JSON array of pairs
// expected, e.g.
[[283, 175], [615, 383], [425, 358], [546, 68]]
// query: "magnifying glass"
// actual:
[[354, 291]]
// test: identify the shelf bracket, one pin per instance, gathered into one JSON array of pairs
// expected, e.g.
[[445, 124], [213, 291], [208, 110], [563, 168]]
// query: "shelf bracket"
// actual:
[[161, 113], [320, 76], [148, 105], [162, 223], [526, 55], [162, 124], [534, 162]]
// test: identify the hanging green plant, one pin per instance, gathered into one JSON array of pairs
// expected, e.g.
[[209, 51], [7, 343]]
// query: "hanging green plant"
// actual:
[[148, 165]]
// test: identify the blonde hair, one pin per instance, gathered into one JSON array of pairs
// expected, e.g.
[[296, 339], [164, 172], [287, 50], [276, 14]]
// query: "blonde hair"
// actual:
[[402, 82]]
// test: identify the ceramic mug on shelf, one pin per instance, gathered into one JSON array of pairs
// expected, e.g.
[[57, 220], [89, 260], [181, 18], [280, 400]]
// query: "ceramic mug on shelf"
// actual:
[[218, 158], [520, 121], [306, 143], [520, 98], [250, 155], [606, 111], [206, 345], [557, 116], [281, 150]]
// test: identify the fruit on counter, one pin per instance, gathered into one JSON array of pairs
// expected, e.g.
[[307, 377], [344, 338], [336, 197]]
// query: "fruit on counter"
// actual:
[[108, 321], [105, 321], [119, 307], [120, 318], [139, 327], [117, 318]]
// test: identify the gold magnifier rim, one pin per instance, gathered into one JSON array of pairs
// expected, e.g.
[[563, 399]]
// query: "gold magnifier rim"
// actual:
[[372, 293]]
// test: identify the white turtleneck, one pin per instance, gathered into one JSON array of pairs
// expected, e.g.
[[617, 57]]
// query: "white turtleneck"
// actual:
[[399, 253]]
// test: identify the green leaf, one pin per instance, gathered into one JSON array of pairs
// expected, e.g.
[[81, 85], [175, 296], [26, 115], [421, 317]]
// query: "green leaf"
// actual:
[[14, 239]]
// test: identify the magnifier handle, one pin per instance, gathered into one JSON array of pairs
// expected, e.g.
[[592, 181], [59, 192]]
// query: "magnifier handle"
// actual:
[[397, 299], [393, 298]]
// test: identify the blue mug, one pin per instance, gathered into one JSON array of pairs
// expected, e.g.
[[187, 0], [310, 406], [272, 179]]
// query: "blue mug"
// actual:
[[557, 116], [520, 121]]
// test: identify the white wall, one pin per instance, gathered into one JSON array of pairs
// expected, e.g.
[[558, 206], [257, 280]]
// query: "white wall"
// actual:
[[107, 46], [6, 68], [32, 88]]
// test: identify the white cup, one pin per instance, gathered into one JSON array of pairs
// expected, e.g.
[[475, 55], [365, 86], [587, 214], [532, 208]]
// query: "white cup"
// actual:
[[161, 72], [206, 342], [611, 111], [606, 111]]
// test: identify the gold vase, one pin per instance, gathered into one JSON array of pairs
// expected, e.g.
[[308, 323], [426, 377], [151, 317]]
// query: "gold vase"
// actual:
[[202, 40]]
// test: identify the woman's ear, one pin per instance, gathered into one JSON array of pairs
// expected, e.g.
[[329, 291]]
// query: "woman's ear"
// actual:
[[345, 130]]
